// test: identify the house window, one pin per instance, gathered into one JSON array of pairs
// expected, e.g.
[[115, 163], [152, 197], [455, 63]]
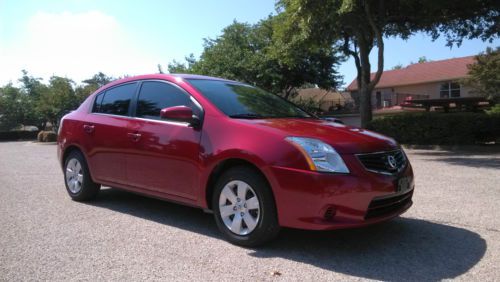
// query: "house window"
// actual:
[[449, 90]]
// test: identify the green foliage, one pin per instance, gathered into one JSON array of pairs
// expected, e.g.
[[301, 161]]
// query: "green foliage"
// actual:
[[90, 85], [310, 105], [494, 110], [12, 113], [191, 67], [32, 88], [247, 53], [36, 103], [98, 80], [397, 67], [423, 59], [484, 75], [439, 128], [57, 102]]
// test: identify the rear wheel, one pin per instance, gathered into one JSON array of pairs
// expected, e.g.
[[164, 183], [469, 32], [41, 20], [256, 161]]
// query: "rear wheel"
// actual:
[[77, 178], [244, 207]]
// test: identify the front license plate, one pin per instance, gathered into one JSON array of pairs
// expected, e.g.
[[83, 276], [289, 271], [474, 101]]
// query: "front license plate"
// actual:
[[404, 184]]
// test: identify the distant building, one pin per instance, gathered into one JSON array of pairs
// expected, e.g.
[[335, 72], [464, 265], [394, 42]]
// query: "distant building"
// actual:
[[327, 100], [432, 80]]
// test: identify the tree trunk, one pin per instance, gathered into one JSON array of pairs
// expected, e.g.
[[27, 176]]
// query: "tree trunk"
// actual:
[[365, 88], [288, 91], [366, 83], [365, 104]]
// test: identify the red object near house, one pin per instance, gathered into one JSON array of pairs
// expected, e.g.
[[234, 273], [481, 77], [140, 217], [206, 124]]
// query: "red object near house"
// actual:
[[257, 161]]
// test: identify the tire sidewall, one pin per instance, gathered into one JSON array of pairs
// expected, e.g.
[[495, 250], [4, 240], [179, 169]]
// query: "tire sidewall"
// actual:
[[267, 214]]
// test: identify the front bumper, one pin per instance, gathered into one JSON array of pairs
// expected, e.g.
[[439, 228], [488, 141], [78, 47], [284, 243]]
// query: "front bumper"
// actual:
[[323, 201]]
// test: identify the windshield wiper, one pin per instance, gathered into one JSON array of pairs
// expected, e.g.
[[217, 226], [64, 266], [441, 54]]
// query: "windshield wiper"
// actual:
[[246, 115]]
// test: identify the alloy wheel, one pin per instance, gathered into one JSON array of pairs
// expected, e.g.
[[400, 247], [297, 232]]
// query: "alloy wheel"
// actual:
[[239, 207], [74, 176]]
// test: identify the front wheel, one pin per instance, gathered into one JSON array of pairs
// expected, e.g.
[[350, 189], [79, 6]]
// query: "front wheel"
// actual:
[[244, 207], [77, 178]]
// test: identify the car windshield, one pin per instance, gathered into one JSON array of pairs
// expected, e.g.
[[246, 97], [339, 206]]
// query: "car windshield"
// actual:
[[239, 100]]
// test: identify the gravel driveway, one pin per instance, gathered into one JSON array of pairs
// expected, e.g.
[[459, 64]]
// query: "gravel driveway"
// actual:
[[452, 231]]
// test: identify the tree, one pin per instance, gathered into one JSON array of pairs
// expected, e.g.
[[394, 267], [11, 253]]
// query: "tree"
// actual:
[[90, 85], [178, 67], [11, 107], [32, 89], [160, 69], [35, 103], [99, 79], [58, 100], [397, 67], [484, 74], [245, 52], [422, 59], [360, 25]]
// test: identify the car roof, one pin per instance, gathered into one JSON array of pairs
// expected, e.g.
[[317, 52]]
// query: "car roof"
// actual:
[[170, 76], [197, 76]]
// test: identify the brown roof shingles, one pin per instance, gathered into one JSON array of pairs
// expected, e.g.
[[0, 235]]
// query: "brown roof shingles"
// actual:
[[433, 71]]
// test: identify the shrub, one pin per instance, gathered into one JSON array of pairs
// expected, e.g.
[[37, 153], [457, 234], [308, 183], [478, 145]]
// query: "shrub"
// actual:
[[47, 136], [495, 110], [440, 128], [18, 135], [308, 104]]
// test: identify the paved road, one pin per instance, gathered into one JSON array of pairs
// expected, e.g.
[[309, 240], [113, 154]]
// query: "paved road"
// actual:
[[452, 231]]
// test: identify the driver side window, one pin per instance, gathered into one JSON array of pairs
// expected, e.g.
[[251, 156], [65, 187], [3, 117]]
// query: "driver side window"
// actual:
[[156, 95]]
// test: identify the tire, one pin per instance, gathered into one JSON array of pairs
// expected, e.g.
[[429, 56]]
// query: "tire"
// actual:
[[255, 220], [79, 184]]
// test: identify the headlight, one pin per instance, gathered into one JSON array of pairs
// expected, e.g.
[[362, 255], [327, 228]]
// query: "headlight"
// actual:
[[320, 156]]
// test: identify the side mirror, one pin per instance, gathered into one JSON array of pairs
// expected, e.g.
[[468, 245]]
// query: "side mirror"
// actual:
[[180, 113]]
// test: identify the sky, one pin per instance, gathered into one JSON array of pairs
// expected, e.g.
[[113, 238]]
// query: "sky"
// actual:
[[78, 38]]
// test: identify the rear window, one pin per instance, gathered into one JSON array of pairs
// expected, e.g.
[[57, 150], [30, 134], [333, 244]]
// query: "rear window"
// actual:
[[97, 103], [116, 101]]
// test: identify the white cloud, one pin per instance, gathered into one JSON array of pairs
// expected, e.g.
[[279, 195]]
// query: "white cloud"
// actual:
[[76, 45]]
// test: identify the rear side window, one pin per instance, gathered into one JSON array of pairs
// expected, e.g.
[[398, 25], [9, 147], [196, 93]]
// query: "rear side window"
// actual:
[[97, 103], [155, 95], [116, 101]]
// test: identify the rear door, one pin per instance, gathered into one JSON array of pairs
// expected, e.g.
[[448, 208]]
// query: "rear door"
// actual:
[[106, 133], [165, 157]]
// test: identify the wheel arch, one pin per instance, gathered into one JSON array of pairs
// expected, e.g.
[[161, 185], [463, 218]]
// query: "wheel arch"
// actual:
[[223, 166], [71, 148]]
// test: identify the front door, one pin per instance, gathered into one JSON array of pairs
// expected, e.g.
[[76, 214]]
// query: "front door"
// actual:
[[165, 157]]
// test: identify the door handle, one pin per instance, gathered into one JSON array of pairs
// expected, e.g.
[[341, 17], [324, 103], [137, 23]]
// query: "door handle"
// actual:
[[134, 136], [89, 128]]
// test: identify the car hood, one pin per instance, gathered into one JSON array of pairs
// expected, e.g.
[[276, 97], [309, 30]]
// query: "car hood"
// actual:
[[344, 139]]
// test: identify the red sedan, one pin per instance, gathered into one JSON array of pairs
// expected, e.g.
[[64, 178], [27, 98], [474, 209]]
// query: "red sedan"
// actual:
[[256, 160]]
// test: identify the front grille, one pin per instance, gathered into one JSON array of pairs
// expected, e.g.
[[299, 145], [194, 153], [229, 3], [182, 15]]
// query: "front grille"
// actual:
[[390, 162], [380, 207]]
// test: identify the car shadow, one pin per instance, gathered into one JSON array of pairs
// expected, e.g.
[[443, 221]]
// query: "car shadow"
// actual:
[[401, 249]]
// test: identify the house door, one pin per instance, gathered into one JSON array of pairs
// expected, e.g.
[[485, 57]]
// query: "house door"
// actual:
[[378, 97]]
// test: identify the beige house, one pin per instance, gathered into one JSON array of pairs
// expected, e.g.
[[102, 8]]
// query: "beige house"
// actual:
[[430, 80], [327, 100]]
